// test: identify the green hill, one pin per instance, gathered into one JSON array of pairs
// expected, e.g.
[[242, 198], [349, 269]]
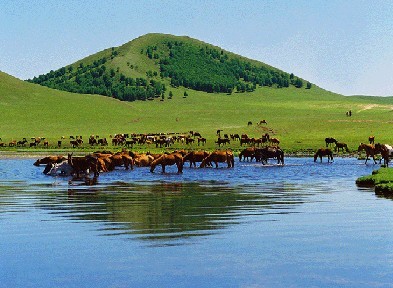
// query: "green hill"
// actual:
[[301, 118], [144, 68]]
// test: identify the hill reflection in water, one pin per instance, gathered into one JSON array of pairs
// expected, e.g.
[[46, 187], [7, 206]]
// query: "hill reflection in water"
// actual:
[[168, 211]]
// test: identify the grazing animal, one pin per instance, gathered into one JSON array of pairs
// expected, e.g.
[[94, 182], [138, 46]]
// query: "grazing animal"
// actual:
[[263, 154], [386, 151], [155, 155], [189, 141], [201, 140], [249, 123], [197, 134], [323, 152], [219, 156], [341, 146], [195, 156], [369, 149], [49, 159], [262, 122], [274, 141], [235, 136], [371, 139], [219, 132], [92, 141], [168, 159], [102, 142], [244, 140], [222, 141], [74, 143], [54, 169], [143, 160], [21, 142], [248, 153], [329, 141], [120, 159], [265, 138], [84, 164]]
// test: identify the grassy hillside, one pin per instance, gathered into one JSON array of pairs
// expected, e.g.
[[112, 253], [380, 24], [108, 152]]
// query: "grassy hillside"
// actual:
[[300, 118], [144, 68]]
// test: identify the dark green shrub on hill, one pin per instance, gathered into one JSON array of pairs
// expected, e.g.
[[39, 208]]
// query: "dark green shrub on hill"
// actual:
[[96, 78]]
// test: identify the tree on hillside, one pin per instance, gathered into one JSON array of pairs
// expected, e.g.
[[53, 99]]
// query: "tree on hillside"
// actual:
[[298, 83]]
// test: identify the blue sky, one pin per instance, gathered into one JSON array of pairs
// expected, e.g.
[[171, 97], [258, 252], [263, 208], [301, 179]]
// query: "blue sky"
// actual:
[[342, 46]]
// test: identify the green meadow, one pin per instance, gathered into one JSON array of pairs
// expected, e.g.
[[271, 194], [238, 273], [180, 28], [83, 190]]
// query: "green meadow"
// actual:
[[300, 118]]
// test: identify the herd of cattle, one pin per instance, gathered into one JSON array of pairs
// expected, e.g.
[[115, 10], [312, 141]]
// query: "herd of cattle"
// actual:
[[129, 140], [106, 161]]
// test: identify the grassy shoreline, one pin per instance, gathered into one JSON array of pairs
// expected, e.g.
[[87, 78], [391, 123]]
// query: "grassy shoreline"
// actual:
[[381, 180]]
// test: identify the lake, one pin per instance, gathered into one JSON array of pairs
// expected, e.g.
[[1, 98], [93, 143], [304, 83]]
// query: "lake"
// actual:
[[304, 224]]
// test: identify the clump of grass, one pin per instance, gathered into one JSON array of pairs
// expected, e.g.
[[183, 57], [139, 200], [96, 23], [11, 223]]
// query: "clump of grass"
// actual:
[[381, 179]]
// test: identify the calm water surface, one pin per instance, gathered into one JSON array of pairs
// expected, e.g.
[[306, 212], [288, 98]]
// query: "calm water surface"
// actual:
[[302, 225]]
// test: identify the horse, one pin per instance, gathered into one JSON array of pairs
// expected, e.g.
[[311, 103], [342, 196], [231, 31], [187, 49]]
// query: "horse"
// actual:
[[329, 141], [323, 152], [202, 140], [63, 168], [168, 159], [189, 141], [371, 139], [262, 122], [341, 146], [263, 154], [49, 159], [195, 156], [370, 151], [143, 160], [244, 140], [265, 138], [274, 141], [84, 164], [386, 151], [74, 143], [222, 141], [21, 143], [219, 156], [247, 153], [249, 123], [120, 159]]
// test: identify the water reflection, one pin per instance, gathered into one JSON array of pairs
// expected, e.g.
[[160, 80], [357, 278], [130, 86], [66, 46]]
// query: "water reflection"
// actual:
[[168, 207], [165, 211]]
